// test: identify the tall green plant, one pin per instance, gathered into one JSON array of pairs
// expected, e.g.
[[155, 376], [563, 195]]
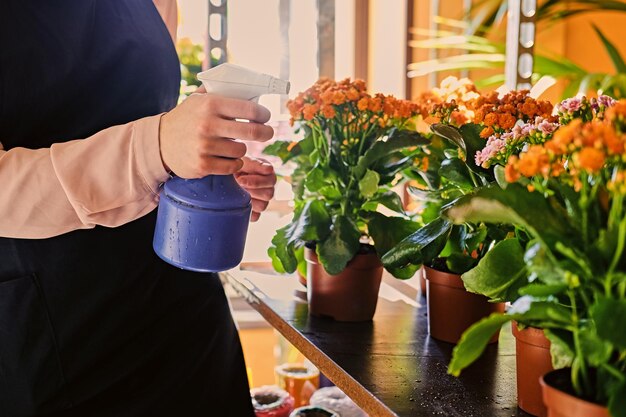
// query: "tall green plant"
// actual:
[[477, 51]]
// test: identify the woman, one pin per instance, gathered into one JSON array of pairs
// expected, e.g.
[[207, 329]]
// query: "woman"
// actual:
[[92, 323]]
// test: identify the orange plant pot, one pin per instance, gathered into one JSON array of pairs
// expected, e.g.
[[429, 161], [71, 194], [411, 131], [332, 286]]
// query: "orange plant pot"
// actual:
[[561, 404], [351, 295], [451, 308], [533, 361]]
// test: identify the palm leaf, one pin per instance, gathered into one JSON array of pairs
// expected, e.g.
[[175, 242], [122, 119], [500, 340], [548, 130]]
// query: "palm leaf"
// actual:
[[618, 61]]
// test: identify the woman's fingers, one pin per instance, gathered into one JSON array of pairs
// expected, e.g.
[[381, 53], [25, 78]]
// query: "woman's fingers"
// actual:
[[262, 194], [250, 131], [259, 206], [213, 165], [232, 108], [226, 148], [252, 181]]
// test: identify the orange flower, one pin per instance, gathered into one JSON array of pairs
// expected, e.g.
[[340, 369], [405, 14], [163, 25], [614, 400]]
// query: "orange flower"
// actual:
[[309, 111], [530, 108], [510, 171], [458, 118], [491, 119], [292, 145], [506, 121], [375, 104], [479, 116], [353, 94], [363, 104], [591, 159], [339, 98], [534, 161], [486, 132], [328, 111], [563, 138], [327, 97], [359, 85], [389, 106]]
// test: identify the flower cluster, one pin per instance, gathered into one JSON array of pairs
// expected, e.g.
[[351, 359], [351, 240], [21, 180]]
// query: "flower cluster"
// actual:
[[580, 148], [344, 101], [583, 108], [499, 115], [501, 146], [448, 103]]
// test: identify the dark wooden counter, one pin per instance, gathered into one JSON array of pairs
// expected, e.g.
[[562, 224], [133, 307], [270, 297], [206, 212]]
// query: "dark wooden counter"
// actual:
[[390, 366]]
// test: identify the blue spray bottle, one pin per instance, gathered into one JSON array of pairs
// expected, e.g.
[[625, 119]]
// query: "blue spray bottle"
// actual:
[[202, 223]]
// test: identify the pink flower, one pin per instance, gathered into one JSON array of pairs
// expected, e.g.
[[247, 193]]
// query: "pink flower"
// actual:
[[570, 105], [602, 102], [545, 126], [494, 145]]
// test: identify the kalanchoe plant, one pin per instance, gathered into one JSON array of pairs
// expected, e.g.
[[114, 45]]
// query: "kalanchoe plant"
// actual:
[[464, 123], [568, 194], [347, 162]]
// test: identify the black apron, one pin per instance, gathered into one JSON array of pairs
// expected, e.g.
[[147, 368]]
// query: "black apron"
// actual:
[[92, 323]]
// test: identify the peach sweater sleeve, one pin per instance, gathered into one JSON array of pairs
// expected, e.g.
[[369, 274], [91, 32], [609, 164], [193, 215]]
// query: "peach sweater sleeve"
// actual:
[[108, 179]]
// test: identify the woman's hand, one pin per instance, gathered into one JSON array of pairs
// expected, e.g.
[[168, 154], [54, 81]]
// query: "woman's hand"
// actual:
[[197, 138], [257, 176]]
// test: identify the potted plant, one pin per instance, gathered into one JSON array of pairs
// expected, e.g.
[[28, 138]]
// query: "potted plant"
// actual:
[[351, 155], [568, 195], [464, 121]]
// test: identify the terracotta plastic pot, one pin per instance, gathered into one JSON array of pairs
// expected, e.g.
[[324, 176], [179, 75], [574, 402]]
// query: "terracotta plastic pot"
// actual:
[[452, 309], [351, 295], [533, 361], [561, 404]]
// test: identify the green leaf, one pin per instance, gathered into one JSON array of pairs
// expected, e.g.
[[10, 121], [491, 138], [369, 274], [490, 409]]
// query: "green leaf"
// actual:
[[498, 172], [561, 348], [389, 199], [609, 315], [279, 149], [542, 314], [284, 251], [450, 133], [388, 232], [473, 144], [276, 263], [410, 250], [595, 350], [313, 223], [299, 252], [397, 140], [467, 138], [500, 273], [474, 341], [368, 185], [542, 290], [340, 246], [617, 400], [315, 179], [618, 61], [455, 171], [540, 264], [460, 263], [516, 206], [330, 192]]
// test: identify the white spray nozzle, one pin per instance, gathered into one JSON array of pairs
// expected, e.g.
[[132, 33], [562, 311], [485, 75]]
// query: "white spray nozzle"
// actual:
[[233, 81]]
